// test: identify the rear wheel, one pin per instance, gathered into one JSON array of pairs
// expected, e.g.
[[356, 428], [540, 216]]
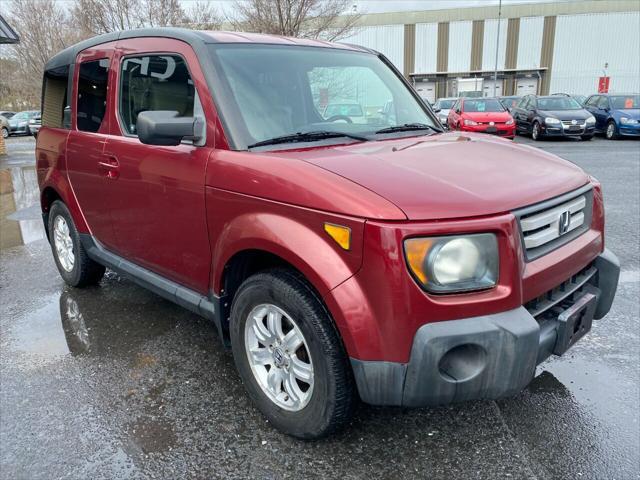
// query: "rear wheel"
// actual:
[[74, 265], [289, 355], [611, 131], [536, 131]]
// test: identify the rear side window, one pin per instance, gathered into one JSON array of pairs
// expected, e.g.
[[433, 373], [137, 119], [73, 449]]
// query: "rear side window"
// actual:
[[55, 103], [154, 82], [92, 94]]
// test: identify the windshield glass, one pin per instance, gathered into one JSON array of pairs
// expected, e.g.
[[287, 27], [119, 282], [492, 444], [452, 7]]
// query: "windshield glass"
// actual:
[[621, 102], [446, 104], [484, 105], [558, 103], [283, 90]]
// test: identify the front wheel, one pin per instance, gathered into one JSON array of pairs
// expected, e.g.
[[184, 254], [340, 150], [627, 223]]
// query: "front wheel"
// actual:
[[74, 265], [5, 132], [536, 131], [289, 355], [611, 132]]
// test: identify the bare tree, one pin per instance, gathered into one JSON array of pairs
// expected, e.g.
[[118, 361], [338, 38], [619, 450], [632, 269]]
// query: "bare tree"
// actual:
[[44, 29], [102, 16], [325, 19]]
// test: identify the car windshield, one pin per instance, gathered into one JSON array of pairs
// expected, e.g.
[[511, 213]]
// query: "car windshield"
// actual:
[[483, 105], [273, 91], [621, 102], [446, 104], [558, 103], [21, 116]]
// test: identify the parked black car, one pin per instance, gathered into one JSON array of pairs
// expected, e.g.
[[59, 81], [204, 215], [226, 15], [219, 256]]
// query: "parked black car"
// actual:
[[553, 116]]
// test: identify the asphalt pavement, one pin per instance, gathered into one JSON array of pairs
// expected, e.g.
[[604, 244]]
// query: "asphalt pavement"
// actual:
[[115, 382]]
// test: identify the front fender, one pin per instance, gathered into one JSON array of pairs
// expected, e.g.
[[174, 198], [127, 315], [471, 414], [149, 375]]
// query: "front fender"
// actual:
[[240, 223]]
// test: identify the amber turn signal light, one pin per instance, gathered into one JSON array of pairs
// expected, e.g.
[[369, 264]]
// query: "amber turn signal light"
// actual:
[[342, 235]]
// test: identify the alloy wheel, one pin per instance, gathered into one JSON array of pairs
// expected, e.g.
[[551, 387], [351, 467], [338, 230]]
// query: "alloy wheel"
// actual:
[[63, 243], [611, 130], [535, 132], [279, 357]]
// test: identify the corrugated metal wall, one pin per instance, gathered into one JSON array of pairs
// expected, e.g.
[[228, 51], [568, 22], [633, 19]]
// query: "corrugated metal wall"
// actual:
[[530, 42], [489, 44], [584, 43], [460, 46], [426, 47], [386, 39]]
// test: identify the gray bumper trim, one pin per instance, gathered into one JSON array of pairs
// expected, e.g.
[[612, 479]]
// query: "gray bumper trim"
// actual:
[[484, 357]]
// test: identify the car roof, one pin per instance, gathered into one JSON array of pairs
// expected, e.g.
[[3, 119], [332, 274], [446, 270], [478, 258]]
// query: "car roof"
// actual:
[[195, 38]]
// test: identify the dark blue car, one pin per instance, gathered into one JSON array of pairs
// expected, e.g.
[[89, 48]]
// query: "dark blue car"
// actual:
[[616, 114]]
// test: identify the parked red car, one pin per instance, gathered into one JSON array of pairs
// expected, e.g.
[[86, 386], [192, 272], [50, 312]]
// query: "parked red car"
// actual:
[[384, 260], [485, 115]]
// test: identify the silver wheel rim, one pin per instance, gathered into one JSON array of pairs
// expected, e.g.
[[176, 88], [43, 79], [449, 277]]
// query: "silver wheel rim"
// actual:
[[5, 133], [535, 132], [279, 357], [610, 130], [63, 243]]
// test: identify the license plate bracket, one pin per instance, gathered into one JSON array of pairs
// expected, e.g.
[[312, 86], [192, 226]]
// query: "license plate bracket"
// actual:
[[492, 130], [575, 322]]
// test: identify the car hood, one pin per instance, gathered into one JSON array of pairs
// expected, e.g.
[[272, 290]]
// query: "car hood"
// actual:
[[629, 113], [581, 114], [449, 175], [487, 116]]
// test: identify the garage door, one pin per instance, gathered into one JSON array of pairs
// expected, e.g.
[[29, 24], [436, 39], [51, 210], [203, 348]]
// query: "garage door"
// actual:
[[526, 86], [487, 89], [427, 90]]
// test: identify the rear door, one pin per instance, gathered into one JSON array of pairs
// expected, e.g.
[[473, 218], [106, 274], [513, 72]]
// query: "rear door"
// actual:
[[88, 170], [159, 208]]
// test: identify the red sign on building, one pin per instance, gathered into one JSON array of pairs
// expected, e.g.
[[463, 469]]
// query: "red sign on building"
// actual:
[[603, 84]]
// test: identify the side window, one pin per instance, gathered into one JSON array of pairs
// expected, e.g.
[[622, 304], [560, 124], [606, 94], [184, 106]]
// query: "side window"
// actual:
[[603, 102], [92, 94], [591, 101], [154, 82], [55, 102], [523, 103]]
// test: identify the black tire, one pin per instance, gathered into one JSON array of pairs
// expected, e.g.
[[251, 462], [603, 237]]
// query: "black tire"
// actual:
[[586, 138], [85, 271], [536, 132], [5, 132], [611, 131], [333, 398]]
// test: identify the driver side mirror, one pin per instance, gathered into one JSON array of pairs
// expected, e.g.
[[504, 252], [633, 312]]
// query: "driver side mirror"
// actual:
[[458, 111], [165, 127], [436, 109]]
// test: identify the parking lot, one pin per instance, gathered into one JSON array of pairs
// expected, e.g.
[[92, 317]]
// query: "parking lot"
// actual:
[[115, 382]]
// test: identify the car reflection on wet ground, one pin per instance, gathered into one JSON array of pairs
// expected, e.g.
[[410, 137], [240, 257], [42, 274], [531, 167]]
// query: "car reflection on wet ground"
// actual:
[[115, 382]]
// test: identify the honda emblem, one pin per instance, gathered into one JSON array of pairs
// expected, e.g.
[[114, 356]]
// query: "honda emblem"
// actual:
[[563, 222]]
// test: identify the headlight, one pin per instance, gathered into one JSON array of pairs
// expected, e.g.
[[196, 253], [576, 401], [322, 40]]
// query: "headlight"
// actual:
[[591, 120], [509, 122], [551, 120], [453, 264], [624, 120], [470, 122], [32, 121]]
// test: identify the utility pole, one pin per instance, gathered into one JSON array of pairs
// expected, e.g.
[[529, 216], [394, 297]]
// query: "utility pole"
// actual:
[[495, 70]]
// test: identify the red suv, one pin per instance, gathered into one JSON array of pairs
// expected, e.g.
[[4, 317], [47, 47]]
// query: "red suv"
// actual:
[[485, 115], [379, 258]]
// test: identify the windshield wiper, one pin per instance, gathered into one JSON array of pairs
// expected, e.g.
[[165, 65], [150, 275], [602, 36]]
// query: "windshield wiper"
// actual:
[[408, 127], [307, 137]]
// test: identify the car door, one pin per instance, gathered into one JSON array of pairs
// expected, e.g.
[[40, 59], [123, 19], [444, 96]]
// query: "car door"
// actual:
[[87, 170], [519, 113], [601, 112], [159, 208], [454, 115]]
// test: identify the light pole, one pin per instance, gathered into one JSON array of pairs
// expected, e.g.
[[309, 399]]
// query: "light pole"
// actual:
[[495, 70]]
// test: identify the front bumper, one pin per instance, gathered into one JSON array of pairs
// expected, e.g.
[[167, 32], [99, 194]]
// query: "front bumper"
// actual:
[[629, 130], [485, 357], [500, 129], [554, 130]]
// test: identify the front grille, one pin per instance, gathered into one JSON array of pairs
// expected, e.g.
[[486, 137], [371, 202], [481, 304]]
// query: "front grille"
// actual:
[[551, 303], [550, 224], [568, 123]]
